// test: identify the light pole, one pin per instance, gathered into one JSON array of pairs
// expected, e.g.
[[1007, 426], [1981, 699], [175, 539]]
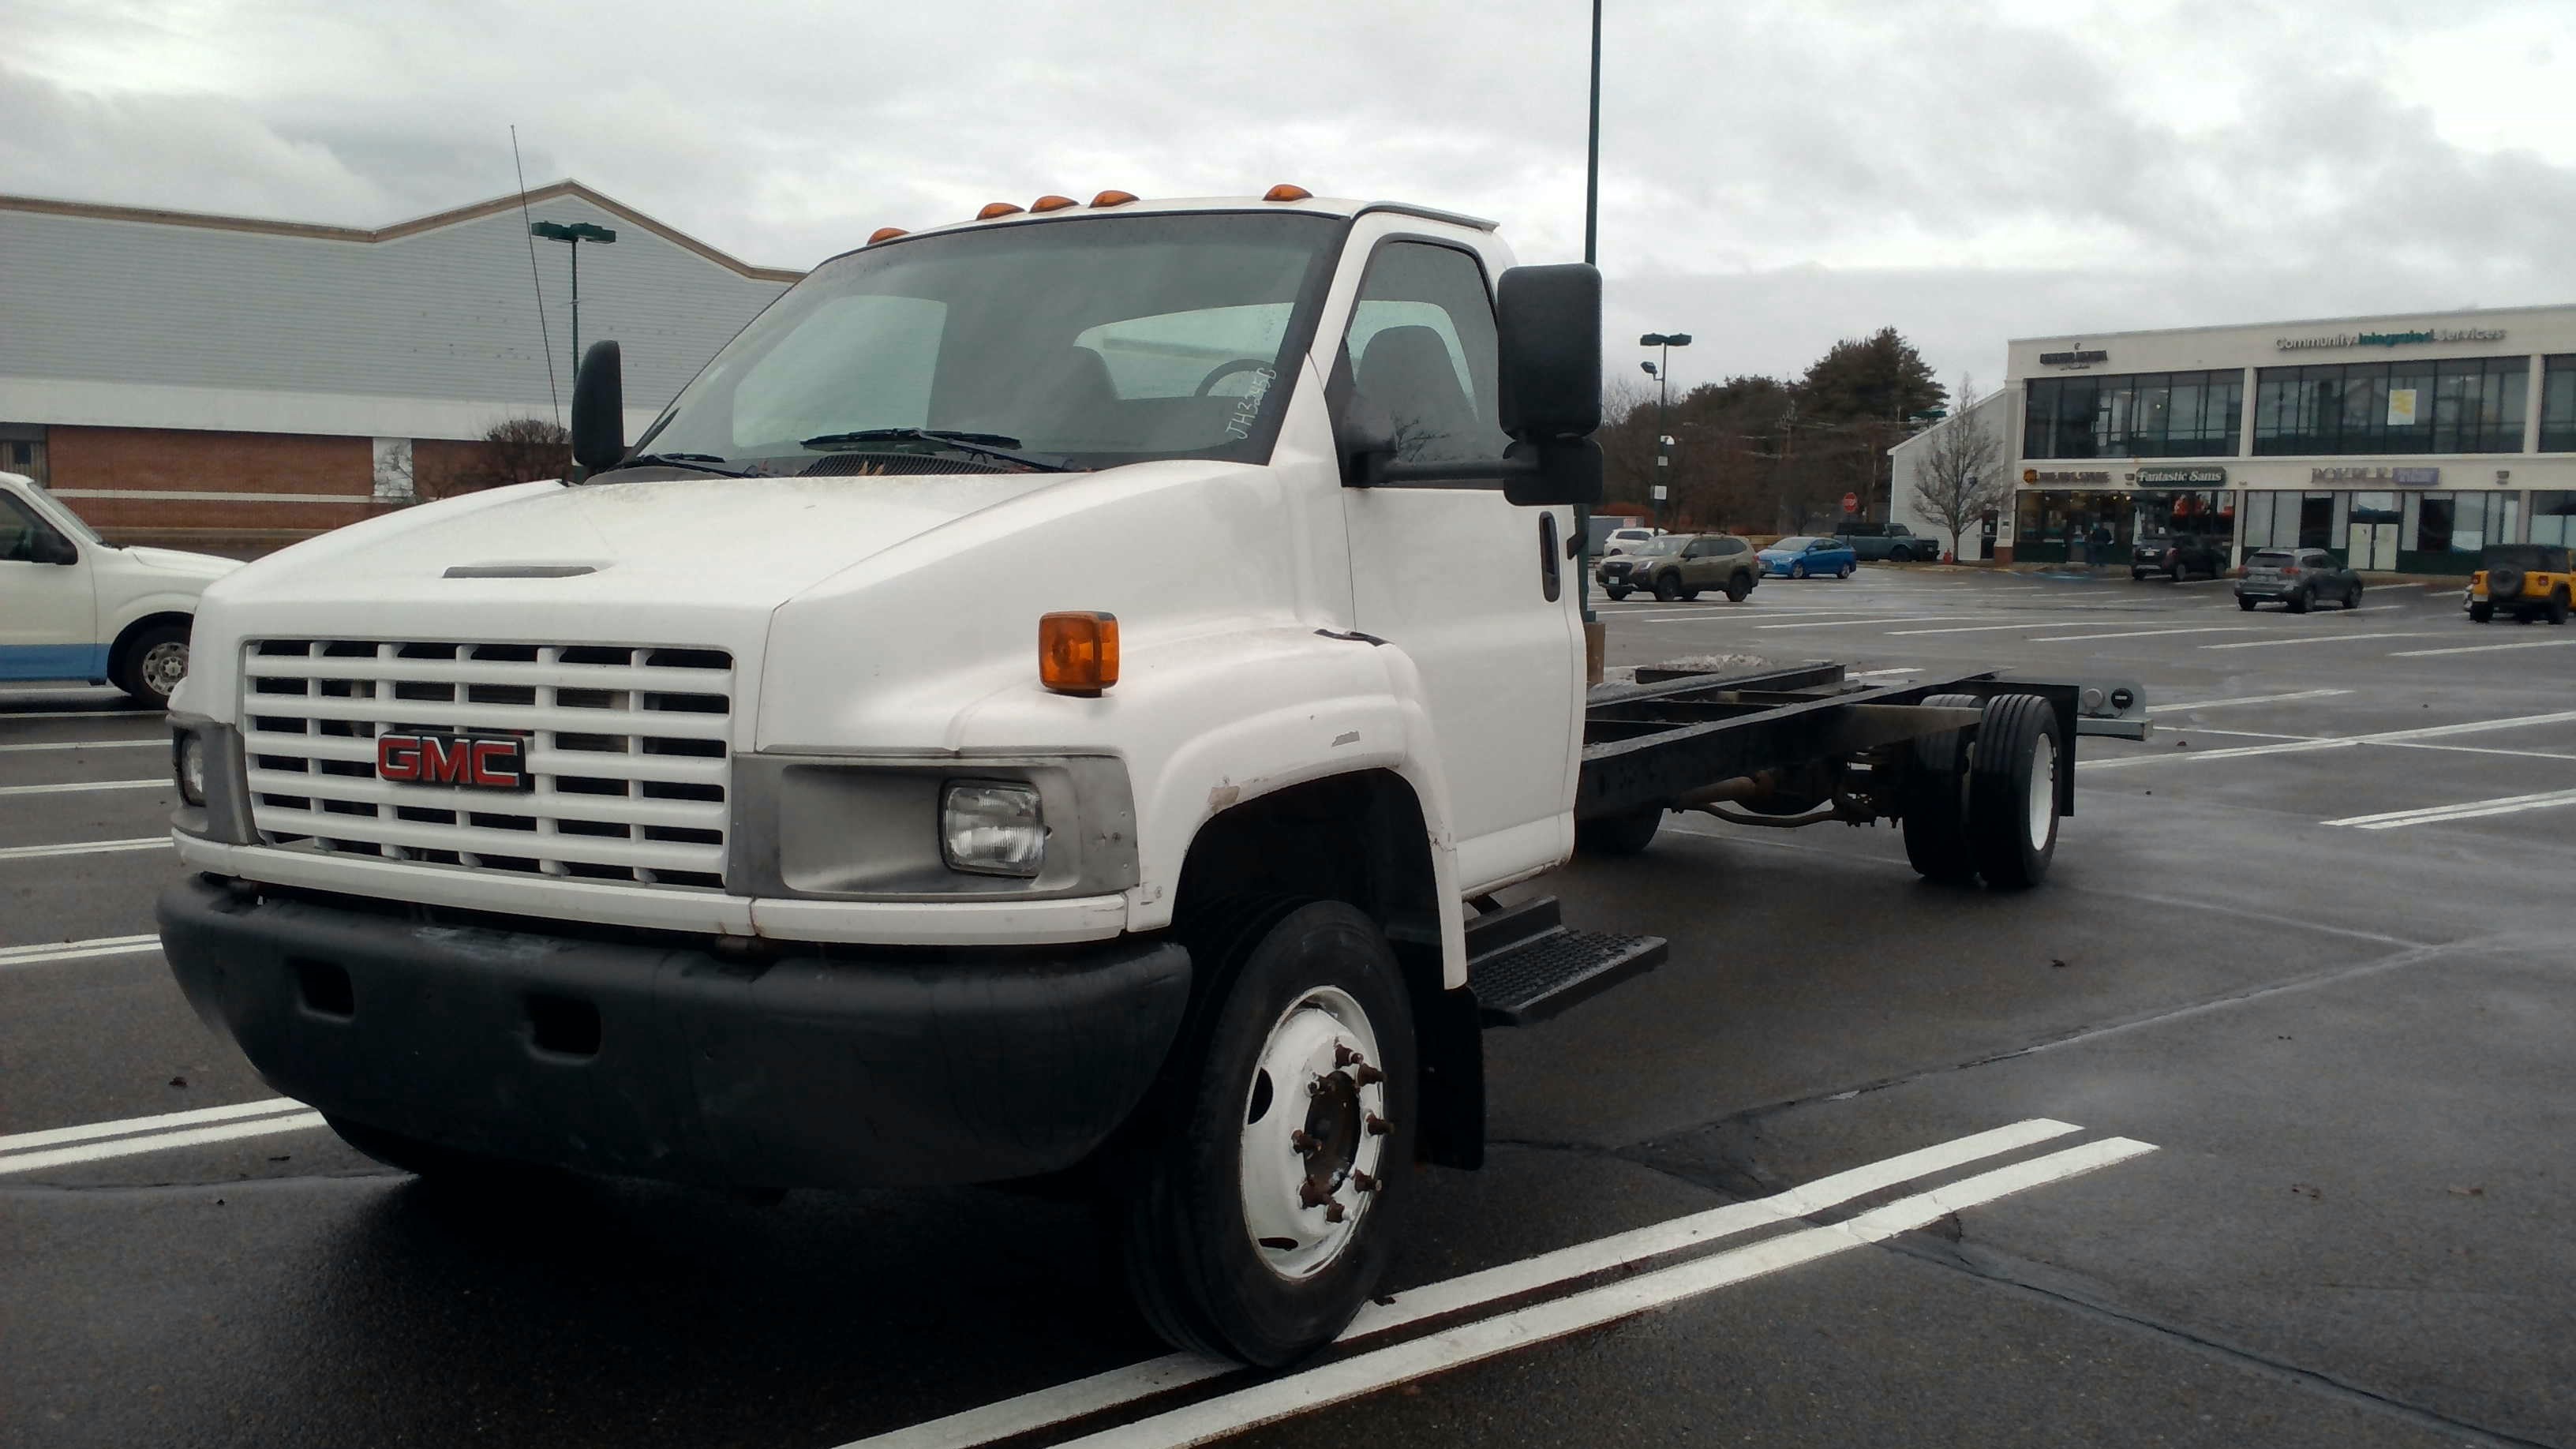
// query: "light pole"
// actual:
[[573, 234], [1663, 377]]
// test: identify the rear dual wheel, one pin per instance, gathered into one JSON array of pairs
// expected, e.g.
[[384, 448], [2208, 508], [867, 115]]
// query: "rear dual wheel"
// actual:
[[1261, 1219], [1986, 806]]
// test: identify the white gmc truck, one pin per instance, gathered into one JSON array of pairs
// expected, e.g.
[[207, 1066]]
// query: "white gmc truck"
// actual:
[[1053, 699]]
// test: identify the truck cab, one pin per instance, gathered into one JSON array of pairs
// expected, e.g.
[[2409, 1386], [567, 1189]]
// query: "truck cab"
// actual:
[[75, 607], [690, 821]]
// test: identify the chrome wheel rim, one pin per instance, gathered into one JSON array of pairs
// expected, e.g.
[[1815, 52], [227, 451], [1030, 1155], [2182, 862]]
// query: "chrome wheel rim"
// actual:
[[163, 666], [1314, 1132]]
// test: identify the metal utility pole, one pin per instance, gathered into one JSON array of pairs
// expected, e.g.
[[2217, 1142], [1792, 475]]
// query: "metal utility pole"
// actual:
[[1592, 637], [573, 234], [1663, 377]]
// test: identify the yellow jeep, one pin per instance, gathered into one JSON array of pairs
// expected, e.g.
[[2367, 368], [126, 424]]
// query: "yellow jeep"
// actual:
[[2527, 580]]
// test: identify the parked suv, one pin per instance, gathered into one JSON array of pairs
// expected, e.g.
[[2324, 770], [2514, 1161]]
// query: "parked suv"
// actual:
[[2297, 578], [1679, 565], [2527, 580], [2180, 555], [1893, 542]]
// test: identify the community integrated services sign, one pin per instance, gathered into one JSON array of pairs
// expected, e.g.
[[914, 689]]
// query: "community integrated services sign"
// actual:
[[2390, 339]]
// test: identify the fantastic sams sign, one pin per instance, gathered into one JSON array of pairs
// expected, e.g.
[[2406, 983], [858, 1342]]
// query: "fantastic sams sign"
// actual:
[[2390, 339]]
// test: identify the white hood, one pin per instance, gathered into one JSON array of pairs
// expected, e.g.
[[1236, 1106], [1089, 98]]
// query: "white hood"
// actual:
[[190, 565]]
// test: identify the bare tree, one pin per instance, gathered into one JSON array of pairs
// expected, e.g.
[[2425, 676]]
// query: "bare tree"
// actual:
[[1962, 474], [520, 450]]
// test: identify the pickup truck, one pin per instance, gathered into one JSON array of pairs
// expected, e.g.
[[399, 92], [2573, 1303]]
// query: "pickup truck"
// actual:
[[74, 607], [1888, 543], [685, 821]]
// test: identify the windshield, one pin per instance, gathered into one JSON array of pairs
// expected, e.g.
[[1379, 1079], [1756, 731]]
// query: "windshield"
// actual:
[[1658, 547], [60, 515], [1801, 541], [1087, 342]]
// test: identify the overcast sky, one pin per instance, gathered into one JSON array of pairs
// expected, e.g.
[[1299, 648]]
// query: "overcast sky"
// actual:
[[1774, 175]]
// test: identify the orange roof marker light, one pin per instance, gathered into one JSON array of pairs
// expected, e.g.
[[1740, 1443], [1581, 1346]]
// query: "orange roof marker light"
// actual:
[[1078, 652], [886, 233], [1286, 192], [1052, 203], [997, 208], [1113, 198]]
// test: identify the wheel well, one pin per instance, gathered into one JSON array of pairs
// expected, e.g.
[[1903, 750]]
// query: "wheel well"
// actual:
[[125, 639]]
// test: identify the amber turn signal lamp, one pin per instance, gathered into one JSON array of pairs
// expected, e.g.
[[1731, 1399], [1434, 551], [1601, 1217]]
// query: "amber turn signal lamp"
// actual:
[[1052, 203], [1285, 192], [1113, 198], [1078, 652], [996, 208], [886, 233]]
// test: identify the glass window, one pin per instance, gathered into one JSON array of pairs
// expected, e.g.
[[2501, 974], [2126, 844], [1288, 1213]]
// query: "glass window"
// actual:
[[2317, 520], [2462, 405], [2558, 405], [1422, 346], [2553, 518], [19, 530], [2146, 415]]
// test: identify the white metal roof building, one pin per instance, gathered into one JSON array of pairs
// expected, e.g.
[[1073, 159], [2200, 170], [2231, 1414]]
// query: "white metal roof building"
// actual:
[[169, 373]]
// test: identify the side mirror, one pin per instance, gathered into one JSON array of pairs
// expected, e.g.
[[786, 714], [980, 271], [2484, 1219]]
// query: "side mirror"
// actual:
[[49, 547], [1548, 321], [599, 409]]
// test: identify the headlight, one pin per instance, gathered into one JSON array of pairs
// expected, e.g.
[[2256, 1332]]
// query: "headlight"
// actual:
[[188, 766], [992, 829]]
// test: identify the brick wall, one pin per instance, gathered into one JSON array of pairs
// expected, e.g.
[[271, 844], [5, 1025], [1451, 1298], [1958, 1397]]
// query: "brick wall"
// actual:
[[337, 472]]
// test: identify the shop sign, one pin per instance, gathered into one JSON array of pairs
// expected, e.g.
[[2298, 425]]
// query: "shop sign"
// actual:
[[2077, 357], [2390, 339], [2062, 475], [2401, 477], [2204, 475]]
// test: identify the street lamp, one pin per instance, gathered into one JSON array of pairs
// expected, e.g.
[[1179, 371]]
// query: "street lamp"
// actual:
[[573, 235], [1663, 376]]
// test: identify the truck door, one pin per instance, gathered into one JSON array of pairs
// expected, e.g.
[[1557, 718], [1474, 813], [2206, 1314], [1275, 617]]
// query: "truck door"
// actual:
[[1479, 593], [48, 610]]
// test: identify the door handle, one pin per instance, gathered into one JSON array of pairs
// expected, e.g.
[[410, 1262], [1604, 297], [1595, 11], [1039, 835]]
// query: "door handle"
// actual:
[[1550, 581]]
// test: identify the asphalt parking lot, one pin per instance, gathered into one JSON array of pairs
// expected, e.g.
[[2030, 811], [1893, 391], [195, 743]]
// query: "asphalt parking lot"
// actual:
[[2251, 1126]]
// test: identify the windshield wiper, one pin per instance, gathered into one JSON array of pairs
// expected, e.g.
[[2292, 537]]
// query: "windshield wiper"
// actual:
[[989, 445], [695, 462]]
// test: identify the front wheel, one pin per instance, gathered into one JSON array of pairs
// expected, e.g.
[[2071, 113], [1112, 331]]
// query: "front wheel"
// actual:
[[2137, 576], [2481, 613], [154, 664], [1669, 588], [1898, 555], [2297, 603], [1797, 571], [1264, 1215], [1844, 572], [1738, 587], [2245, 603], [1616, 594], [2353, 599]]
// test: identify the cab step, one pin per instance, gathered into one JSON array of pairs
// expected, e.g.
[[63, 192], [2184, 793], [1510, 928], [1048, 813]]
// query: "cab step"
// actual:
[[1525, 964]]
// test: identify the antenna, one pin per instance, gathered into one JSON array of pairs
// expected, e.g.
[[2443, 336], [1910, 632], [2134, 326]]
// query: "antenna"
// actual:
[[543, 336]]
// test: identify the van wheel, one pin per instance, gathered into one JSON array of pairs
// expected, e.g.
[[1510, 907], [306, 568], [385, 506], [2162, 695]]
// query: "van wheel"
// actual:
[[1934, 799], [1738, 587], [154, 664], [1614, 835], [2012, 790], [1264, 1216]]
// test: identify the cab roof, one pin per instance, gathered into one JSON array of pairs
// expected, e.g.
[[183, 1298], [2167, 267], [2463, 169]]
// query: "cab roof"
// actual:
[[1311, 205]]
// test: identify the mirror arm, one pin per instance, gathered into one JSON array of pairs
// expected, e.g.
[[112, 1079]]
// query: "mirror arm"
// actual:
[[1379, 470]]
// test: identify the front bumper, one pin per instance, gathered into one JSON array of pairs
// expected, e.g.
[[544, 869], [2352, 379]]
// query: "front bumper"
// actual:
[[817, 1067]]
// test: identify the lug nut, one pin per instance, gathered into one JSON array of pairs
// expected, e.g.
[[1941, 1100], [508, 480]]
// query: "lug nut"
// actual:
[[1306, 1146], [1333, 1212], [1312, 1194], [1343, 1056], [1378, 1126], [1368, 1076], [1362, 1182]]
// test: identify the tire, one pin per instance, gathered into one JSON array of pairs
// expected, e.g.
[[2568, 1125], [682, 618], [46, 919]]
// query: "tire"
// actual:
[[2557, 611], [1668, 588], [1739, 587], [1845, 571], [2353, 599], [2012, 791], [1616, 594], [1898, 555], [1296, 983], [2137, 576], [1797, 571], [1690, 595], [1616, 835], [2245, 603], [2297, 603], [153, 664], [2504, 581], [1934, 799], [2481, 613], [2523, 616]]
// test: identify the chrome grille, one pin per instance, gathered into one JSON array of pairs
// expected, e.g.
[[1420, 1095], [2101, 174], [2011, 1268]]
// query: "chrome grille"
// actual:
[[627, 747]]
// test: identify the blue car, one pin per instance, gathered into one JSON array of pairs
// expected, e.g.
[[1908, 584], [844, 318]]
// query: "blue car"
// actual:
[[1807, 557]]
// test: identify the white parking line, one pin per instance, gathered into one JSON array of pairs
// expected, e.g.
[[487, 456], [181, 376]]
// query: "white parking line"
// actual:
[[2030, 624], [1880, 618], [91, 1131], [2465, 810], [78, 788], [2315, 639], [84, 745], [84, 847], [50, 951], [2481, 648], [1472, 1342], [1880, 673], [2141, 633], [157, 1142], [2256, 699], [1044, 1408], [2385, 737]]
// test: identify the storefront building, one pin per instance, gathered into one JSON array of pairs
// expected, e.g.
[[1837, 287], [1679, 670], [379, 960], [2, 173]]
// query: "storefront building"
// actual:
[[2403, 443]]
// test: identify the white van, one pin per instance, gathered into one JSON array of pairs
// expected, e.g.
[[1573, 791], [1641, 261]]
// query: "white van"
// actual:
[[73, 607]]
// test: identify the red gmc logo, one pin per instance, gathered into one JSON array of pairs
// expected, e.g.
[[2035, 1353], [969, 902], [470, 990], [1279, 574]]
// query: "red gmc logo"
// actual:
[[465, 761]]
